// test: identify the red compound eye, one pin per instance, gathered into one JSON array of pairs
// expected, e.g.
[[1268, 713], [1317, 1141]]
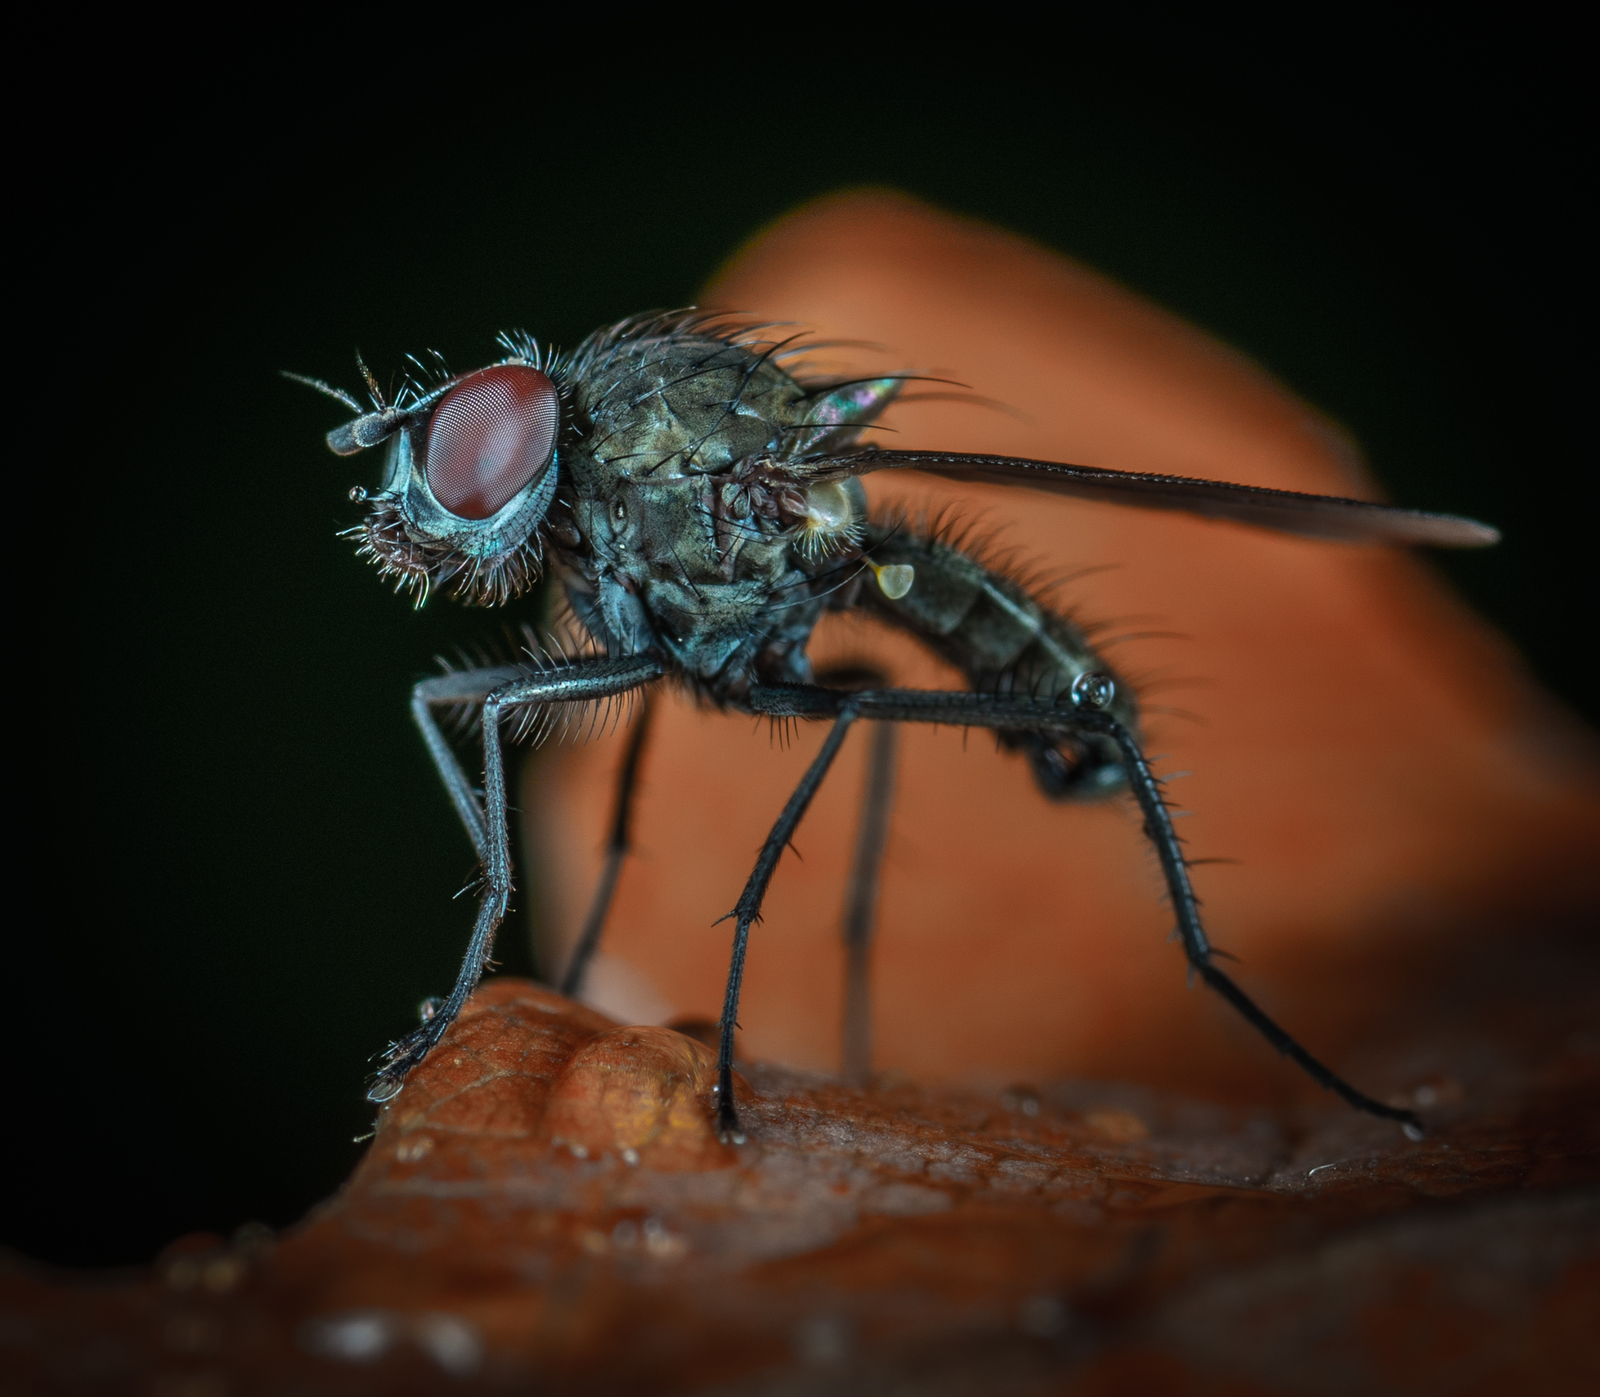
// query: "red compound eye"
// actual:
[[490, 436]]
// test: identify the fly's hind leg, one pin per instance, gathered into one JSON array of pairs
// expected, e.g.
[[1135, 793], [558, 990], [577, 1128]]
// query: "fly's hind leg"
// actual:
[[1084, 717], [617, 846], [1159, 830], [487, 824]]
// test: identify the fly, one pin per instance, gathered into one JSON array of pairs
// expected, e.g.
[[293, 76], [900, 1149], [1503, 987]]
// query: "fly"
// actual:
[[699, 501]]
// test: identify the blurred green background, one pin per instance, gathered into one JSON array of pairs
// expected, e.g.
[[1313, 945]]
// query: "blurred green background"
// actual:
[[245, 862]]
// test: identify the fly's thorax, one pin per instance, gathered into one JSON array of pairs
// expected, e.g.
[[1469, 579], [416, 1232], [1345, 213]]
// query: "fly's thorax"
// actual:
[[690, 394], [676, 528], [682, 405], [664, 572]]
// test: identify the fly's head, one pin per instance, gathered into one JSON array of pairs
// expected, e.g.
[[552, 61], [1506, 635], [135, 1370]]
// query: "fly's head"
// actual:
[[471, 468]]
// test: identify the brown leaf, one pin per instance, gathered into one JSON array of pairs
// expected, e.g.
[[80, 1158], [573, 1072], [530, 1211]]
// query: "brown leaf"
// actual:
[[499, 1235]]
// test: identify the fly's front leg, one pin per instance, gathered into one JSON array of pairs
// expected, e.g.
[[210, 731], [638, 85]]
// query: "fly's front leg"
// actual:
[[488, 825], [465, 687], [616, 851]]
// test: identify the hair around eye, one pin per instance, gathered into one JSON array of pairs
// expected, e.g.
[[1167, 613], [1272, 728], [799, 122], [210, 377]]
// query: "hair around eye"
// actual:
[[490, 437]]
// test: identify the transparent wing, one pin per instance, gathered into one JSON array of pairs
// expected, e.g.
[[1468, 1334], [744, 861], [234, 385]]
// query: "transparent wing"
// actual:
[[1311, 516]]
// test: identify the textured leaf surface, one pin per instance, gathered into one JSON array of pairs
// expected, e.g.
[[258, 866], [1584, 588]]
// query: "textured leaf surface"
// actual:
[[545, 1208]]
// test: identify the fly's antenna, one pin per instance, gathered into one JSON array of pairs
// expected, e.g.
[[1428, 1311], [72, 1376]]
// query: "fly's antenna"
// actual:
[[326, 389]]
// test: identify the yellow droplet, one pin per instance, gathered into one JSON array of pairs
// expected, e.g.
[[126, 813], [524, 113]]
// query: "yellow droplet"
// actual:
[[895, 580]]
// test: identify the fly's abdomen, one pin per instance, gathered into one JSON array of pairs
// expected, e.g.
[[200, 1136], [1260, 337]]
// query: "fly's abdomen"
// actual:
[[1005, 642]]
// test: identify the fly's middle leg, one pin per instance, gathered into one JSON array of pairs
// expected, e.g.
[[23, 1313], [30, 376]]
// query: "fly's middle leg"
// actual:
[[748, 909], [861, 893], [861, 901]]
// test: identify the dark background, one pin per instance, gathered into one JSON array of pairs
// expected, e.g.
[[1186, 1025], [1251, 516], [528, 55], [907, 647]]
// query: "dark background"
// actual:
[[240, 865]]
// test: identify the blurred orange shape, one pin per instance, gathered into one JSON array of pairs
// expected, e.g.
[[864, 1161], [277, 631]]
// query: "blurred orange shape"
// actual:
[[644, 1094], [1374, 757]]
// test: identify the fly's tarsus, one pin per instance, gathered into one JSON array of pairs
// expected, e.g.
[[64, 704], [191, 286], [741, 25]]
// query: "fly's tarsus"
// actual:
[[390, 1079]]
